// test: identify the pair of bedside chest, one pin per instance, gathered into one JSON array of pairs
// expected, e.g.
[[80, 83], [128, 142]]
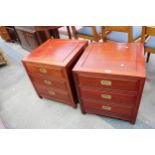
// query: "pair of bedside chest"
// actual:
[[106, 78]]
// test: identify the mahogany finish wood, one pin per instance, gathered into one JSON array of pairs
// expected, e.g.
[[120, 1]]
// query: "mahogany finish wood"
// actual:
[[49, 68], [109, 78], [4, 33], [12, 33]]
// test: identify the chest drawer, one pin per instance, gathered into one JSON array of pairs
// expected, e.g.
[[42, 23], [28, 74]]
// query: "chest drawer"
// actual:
[[110, 108], [108, 96], [110, 83], [53, 93], [48, 82], [43, 70]]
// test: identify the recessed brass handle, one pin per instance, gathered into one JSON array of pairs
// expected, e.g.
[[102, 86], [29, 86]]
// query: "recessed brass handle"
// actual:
[[108, 108], [47, 82], [105, 96], [106, 82], [51, 93], [43, 70]]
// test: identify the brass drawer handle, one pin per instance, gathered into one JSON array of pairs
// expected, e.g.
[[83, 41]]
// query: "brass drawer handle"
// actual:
[[43, 70], [108, 108], [105, 96], [51, 93], [47, 82], [106, 82]]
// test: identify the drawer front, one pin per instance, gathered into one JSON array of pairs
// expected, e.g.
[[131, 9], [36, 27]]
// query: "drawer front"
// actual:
[[62, 100], [47, 82], [53, 93], [101, 83], [105, 96], [108, 108], [42, 70], [108, 113]]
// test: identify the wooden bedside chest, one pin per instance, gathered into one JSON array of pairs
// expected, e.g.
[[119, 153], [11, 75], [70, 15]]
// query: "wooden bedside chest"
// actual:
[[49, 68], [110, 78]]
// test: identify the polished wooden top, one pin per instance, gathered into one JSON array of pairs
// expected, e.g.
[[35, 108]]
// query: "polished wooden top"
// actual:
[[113, 58], [56, 52]]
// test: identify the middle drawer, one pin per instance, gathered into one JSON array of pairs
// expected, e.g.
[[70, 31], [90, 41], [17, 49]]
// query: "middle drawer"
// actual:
[[108, 96], [44, 81]]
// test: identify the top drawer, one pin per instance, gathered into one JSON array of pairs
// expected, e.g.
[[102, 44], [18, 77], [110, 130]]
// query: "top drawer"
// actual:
[[44, 70], [111, 83]]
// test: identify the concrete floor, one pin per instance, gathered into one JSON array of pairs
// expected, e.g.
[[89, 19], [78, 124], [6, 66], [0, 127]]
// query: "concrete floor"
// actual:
[[20, 107]]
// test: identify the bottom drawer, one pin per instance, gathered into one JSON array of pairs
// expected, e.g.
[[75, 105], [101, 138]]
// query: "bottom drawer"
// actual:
[[58, 99], [108, 114], [108, 108], [54, 94]]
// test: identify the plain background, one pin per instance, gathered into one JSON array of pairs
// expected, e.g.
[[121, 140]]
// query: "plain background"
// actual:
[[79, 13]]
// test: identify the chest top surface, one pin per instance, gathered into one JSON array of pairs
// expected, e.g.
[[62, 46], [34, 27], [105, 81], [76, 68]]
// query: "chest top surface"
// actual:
[[113, 58], [55, 52]]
